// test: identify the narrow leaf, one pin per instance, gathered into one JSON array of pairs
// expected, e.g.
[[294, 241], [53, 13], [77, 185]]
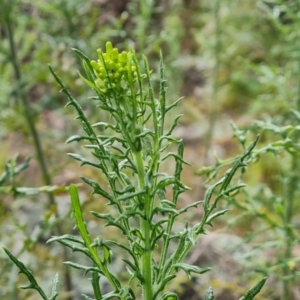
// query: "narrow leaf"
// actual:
[[55, 283], [81, 225], [188, 269], [97, 189], [81, 267], [23, 269], [215, 215], [255, 290]]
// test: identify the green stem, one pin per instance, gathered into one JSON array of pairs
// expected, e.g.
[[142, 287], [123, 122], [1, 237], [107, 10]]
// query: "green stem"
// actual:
[[289, 203], [26, 106], [214, 102], [143, 21], [287, 220], [289, 206], [146, 230]]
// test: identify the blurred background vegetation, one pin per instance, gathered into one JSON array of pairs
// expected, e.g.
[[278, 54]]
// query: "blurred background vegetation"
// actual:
[[232, 60]]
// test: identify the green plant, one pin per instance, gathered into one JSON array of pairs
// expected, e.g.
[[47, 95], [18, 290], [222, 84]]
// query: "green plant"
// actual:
[[269, 79], [130, 148], [270, 206], [9, 188]]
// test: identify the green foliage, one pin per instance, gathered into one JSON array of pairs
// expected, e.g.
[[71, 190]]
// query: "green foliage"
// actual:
[[129, 150], [232, 59], [33, 284], [261, 71], [8, 185], [254, 291]]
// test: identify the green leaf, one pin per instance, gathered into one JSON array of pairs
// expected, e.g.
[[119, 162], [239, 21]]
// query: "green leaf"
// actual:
[[136, 272], [174, 125], [106, 253], [12, 169], [255, 290], [210, 294], [110, 221], [165, 209], [215, 215], [84, 161], [164, 282], [55, 283], [23, 269], [174, 104], [67, 237], [97, 189], [82, 227], [85, 297], [86, 64], [169, 296], [66, 243], [130, 195], [176, 156], [185, 209], [89, 83], [155, 237], [188, 269], [83, 268], [78, 138]]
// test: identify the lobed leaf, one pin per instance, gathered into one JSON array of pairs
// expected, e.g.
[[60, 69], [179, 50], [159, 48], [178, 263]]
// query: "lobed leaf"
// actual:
[[188, 269], [23, 269]]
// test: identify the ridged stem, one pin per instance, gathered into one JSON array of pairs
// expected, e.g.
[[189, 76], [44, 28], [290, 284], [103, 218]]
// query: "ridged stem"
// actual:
[[146, 230]]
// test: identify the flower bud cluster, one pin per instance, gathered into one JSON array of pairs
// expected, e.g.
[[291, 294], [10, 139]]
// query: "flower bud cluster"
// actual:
[[114, 70]]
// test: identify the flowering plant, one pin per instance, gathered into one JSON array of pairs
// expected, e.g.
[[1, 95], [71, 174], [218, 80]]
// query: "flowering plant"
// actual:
[[129, 150]]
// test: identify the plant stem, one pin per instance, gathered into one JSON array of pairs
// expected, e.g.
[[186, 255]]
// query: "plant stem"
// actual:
[[216, 70], [289, 205], [26, 106], [143, 22], [146, 230]]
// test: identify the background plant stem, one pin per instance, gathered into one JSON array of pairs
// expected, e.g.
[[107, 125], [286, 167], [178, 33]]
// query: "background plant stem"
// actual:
[[7, 11], [146, 7], [26, 104], [214, 102], [292, 187]]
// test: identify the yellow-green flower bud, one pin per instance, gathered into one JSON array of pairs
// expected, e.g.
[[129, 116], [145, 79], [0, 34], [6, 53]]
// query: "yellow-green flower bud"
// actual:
[[109, 48], [117, 76], [102, 70], [115, 54], [114, 70], [95, 65], [105, 57], [123, 57], [111, 65]]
